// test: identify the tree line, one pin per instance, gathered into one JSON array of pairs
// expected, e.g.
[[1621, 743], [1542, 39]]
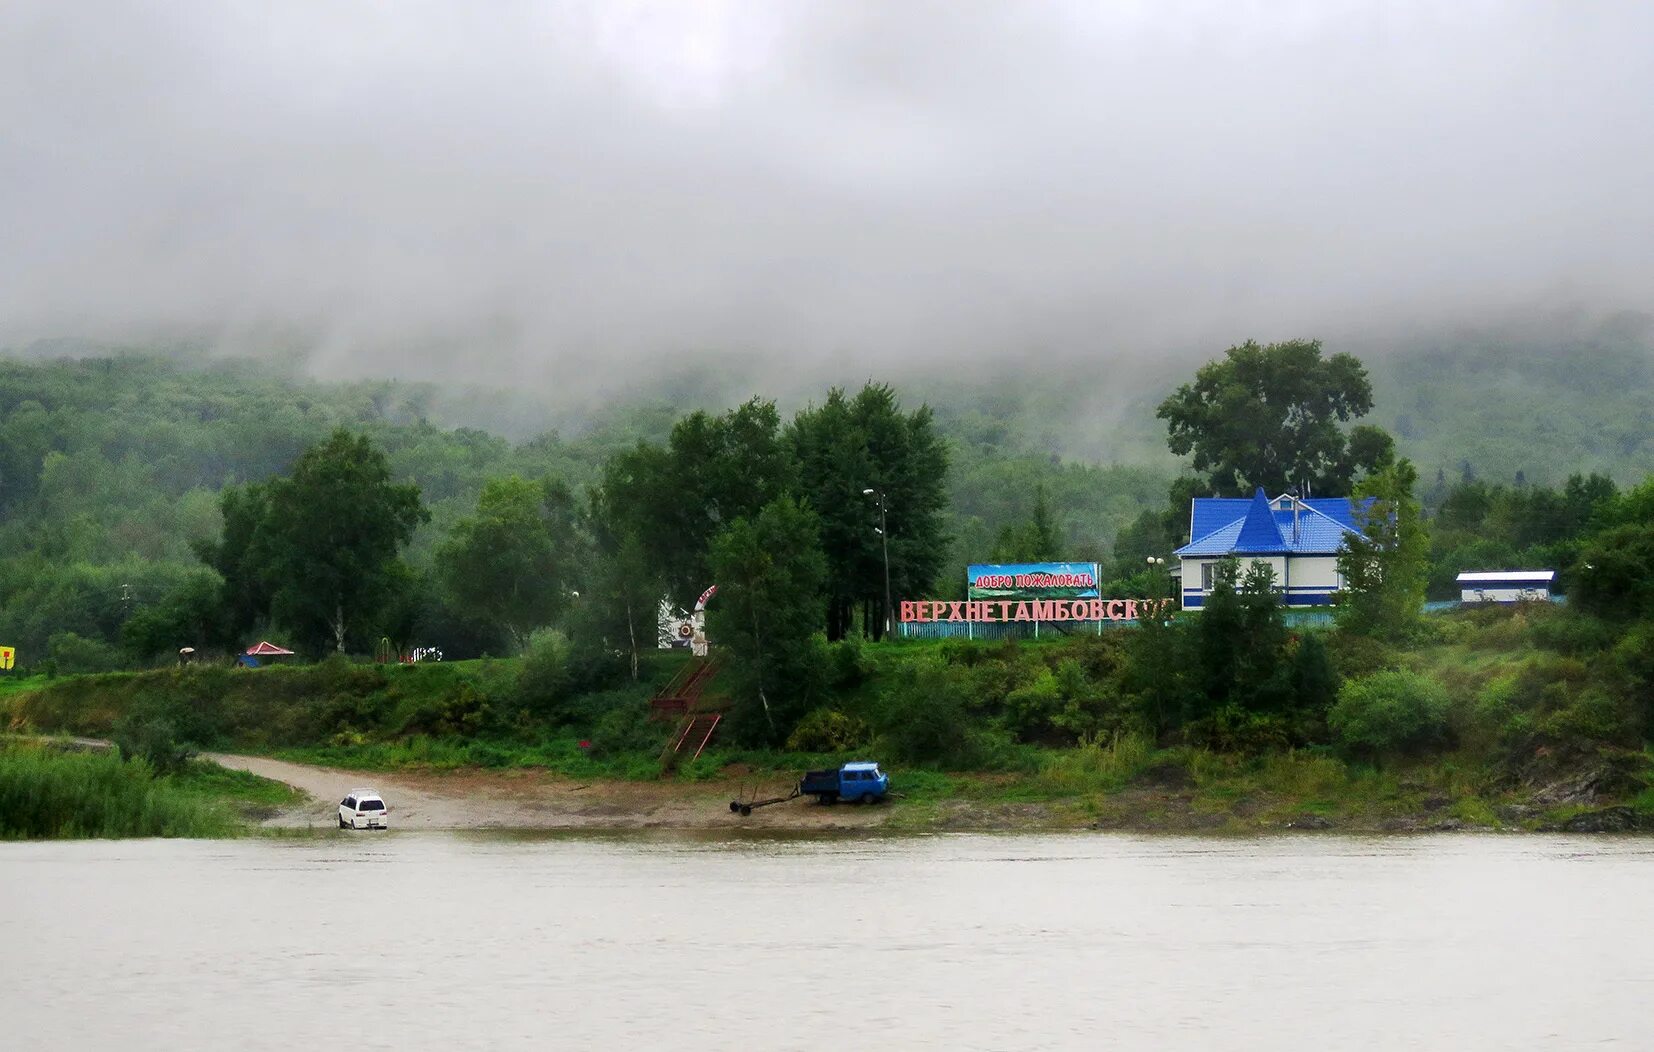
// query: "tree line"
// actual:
[[111, 471]]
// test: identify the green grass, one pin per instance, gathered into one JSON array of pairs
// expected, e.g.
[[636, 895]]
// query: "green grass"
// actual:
[[46, 793], [247, 793], [1094, 767], [1473, 810], [561, 755], [1643, 802], [12, 683]]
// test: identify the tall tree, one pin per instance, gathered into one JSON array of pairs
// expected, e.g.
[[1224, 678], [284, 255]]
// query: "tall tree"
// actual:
[[620, 606], [712, 471], [516, 561], [186, 616], [770, 577], [244, 592], [1037, 540], [329, 541], [1387, 566], [1614, 577], [847, 446], [1270, 416]]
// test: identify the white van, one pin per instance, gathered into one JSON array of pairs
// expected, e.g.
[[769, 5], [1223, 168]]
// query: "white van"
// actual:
[[364, 809]]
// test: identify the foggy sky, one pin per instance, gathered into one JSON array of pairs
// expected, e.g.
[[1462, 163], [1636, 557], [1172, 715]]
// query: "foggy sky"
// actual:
[[556, 193]]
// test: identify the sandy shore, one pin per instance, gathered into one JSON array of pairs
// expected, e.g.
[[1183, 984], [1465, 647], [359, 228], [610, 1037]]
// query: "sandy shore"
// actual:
[[474, 799]]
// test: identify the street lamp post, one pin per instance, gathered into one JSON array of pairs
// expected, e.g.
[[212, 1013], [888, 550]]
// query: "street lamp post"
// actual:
[[1155, 561], [884, 541]]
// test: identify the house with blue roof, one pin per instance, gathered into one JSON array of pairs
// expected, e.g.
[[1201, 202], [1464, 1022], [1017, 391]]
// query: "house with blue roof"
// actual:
[[1299, 538]]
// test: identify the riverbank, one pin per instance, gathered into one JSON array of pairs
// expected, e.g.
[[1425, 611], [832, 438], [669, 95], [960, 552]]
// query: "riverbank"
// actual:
[[1280, 794]]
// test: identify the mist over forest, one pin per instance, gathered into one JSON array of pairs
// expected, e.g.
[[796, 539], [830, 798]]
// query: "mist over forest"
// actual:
[[573, 202]]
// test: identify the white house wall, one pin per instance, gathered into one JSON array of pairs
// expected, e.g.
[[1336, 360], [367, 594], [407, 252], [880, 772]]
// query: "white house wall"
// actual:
[[1315, 571], [1535, 594], [1308, 580]]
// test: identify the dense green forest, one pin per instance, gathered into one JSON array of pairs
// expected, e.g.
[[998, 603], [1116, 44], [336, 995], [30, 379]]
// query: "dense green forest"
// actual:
[[149, 505], [111, 468]]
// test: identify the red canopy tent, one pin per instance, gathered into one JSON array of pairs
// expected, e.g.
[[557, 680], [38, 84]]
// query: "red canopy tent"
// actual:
[[265, 648]]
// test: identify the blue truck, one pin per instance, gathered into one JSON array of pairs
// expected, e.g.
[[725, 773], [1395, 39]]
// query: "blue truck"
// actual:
[[859, 782]]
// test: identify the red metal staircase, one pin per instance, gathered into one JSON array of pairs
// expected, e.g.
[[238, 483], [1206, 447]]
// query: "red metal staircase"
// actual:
[[681, 696], [695, 729], [697, 717]]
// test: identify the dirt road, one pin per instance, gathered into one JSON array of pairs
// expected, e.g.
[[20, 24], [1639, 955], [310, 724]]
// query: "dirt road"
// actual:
[[536, 800]]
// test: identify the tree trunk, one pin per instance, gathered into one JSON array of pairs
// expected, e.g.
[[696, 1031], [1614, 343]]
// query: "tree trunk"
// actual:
[[339, 628], [631, 631], [758, 666], [839, 616]]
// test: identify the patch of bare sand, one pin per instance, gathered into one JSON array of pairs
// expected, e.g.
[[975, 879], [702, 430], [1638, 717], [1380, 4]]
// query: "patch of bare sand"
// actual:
[[473, 799]]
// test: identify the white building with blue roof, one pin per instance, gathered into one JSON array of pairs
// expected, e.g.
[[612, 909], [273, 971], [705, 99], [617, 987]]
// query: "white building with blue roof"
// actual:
[[1298, 538]]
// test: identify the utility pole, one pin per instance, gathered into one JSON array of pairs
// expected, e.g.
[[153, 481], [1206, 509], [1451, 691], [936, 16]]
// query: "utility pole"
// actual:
[[884, 540]]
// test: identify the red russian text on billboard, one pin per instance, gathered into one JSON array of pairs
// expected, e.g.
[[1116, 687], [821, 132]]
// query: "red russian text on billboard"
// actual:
[[1004, 610]]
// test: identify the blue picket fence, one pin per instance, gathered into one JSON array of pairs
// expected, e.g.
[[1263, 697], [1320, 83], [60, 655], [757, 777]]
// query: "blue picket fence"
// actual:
[[993, 630]]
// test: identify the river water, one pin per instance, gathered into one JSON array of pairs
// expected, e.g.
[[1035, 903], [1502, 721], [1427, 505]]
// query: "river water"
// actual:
[[409, 940]]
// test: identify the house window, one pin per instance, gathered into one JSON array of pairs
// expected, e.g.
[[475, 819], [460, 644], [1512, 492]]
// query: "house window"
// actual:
[[1206, 576]]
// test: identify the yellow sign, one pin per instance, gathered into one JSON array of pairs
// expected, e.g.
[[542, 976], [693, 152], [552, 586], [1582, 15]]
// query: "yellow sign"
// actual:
[[7, 656]]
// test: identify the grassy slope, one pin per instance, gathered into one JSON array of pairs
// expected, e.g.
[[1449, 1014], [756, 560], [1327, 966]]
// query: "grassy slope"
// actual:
[[295, 713]]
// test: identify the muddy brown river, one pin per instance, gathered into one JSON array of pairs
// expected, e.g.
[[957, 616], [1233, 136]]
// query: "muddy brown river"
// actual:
[[438, 940]]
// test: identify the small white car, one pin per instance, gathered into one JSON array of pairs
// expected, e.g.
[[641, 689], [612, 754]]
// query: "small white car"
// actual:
[[364, 809]]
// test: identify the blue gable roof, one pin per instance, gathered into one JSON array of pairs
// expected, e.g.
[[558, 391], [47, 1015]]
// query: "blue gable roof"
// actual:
[[1259, 526]]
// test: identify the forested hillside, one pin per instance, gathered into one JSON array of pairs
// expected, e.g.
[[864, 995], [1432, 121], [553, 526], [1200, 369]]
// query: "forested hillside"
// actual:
[[1520, 410], [110, 470], [111, 466]]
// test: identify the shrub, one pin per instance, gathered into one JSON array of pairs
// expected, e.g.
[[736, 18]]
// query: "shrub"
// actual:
[[71, 654], [1031, 708], [1232, 729], [464, 712], [966, 652], [1633, 660], [1354, 656], [594, 667], [544, 682], [828, 730], [1591, 719], [1497, 714], [152, 739], [846, 665], [1390, 712], [1572, 633], [923, 719], [626, 729]]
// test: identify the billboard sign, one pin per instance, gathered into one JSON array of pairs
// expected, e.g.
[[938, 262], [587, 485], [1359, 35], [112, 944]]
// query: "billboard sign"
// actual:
[[1029, 581]]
